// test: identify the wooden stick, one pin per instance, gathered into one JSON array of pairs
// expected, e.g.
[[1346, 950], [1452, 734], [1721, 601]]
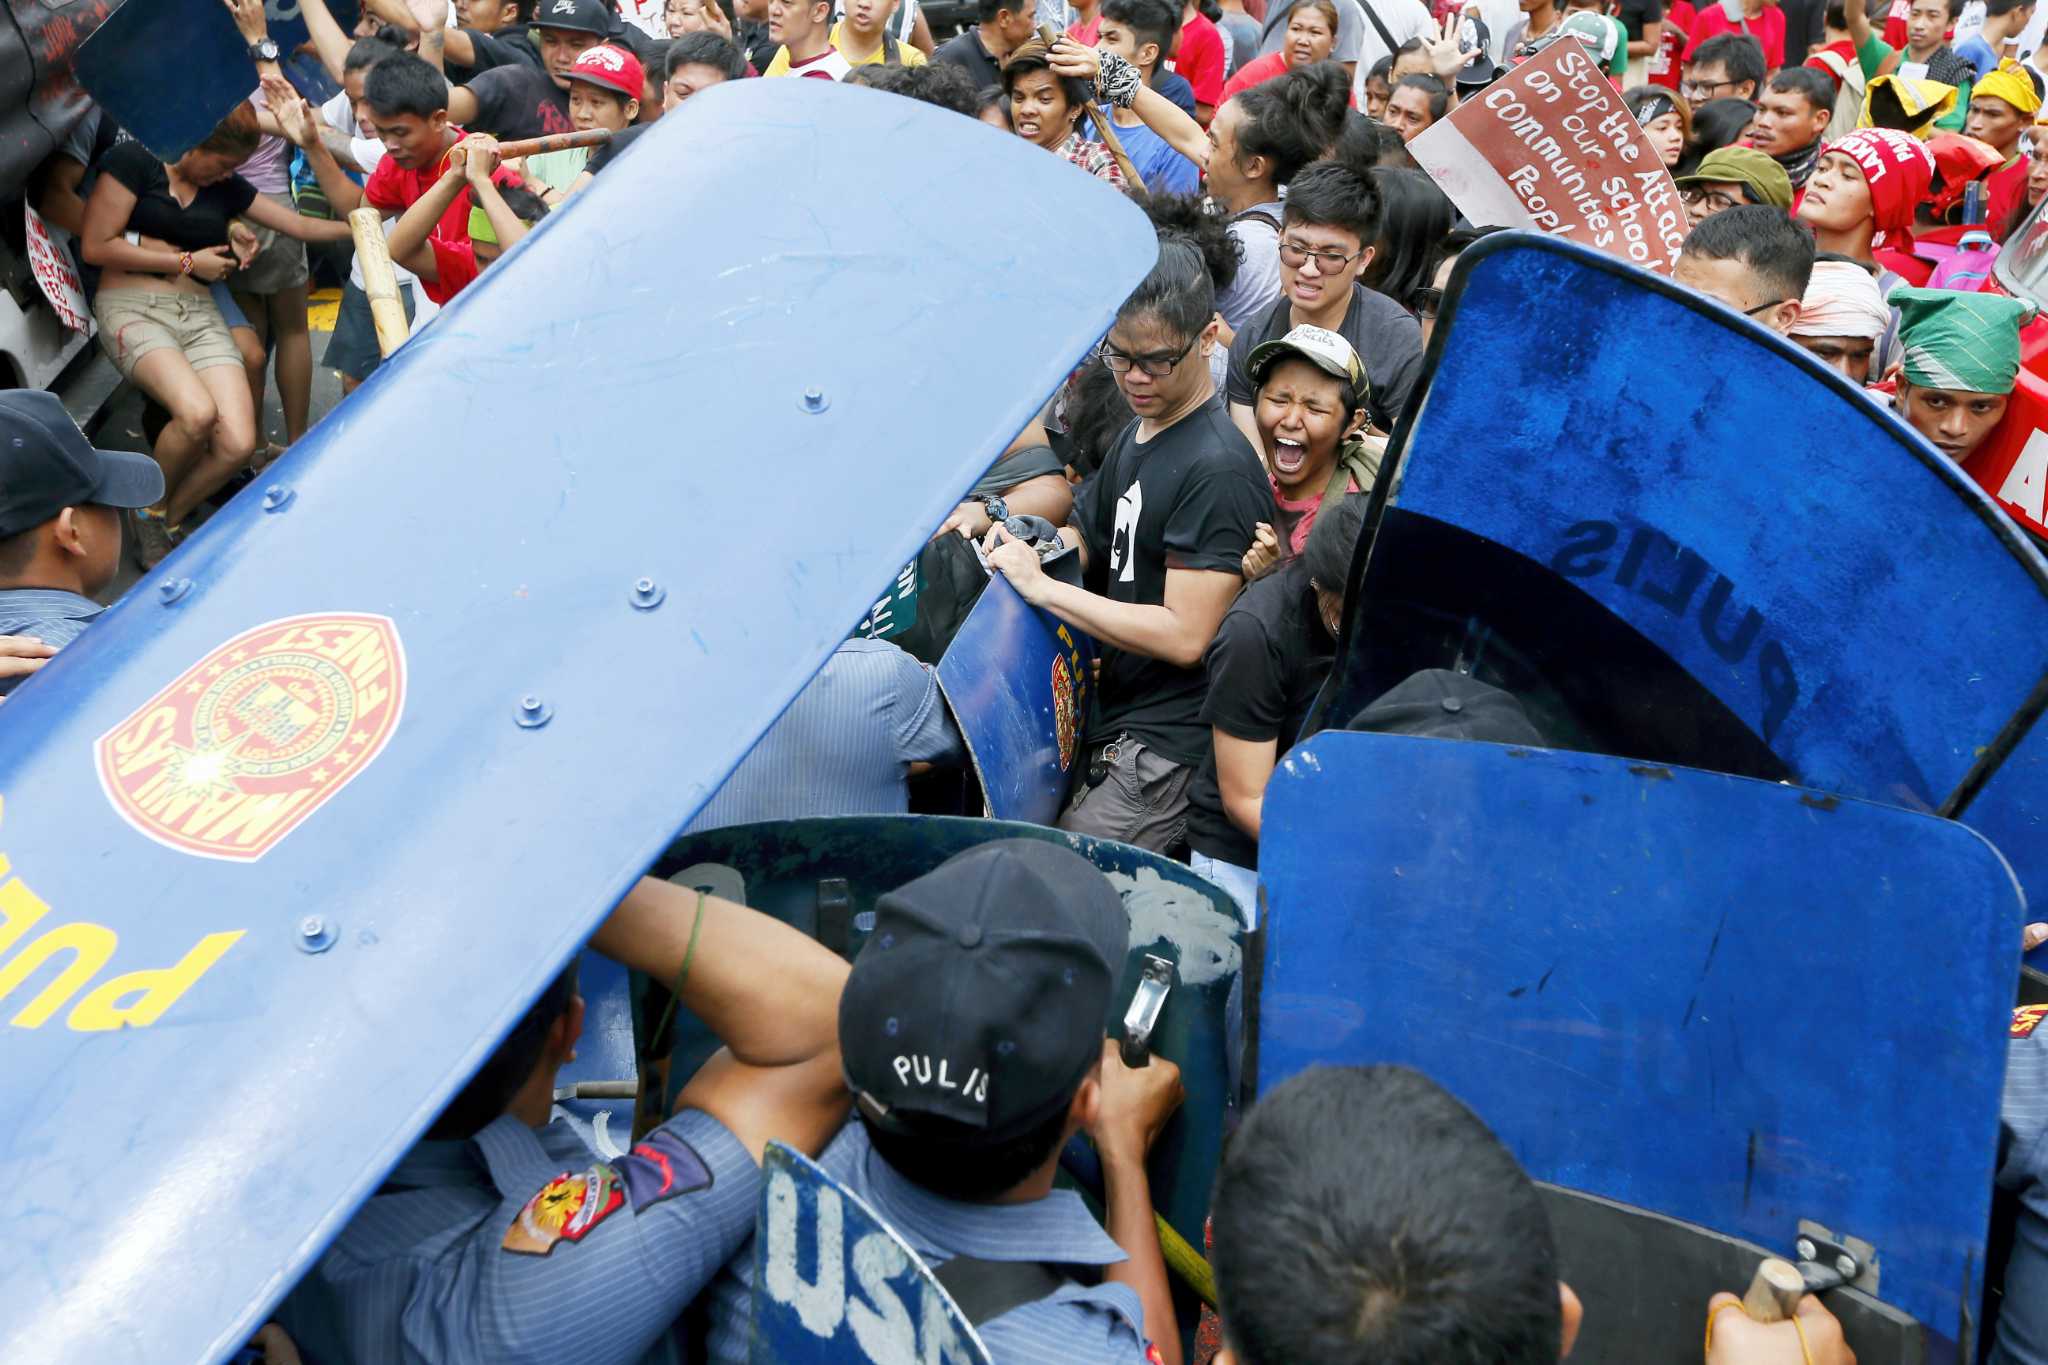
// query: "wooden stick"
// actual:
[[380, 281], [554, 142], [1774, 1291], [1102, 126]]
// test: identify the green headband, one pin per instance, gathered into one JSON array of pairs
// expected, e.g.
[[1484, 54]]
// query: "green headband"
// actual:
[[1964, 341], [480, 229]]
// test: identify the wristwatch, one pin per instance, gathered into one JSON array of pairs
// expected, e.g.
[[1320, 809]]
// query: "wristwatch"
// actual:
[[998, 510], [263, 50]]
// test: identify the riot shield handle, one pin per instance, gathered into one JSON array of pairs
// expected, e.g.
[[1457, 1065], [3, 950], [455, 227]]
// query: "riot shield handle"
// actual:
[[1155, 982]]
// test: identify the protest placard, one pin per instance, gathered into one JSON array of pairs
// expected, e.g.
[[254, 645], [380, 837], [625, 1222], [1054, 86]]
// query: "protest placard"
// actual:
[[54, 272], [1551, 146]]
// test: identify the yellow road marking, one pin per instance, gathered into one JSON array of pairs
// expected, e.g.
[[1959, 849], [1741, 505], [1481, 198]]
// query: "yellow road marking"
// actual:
[[322, 308]]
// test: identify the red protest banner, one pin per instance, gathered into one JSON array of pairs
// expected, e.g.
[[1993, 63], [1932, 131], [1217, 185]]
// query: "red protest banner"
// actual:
[[1551, 146]]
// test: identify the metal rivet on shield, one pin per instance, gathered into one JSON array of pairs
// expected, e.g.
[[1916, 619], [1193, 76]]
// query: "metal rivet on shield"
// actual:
[[316, 935], [533, 712], [815, 400], [277, 497], [1805, 1248], [647, 594], [171, 589]]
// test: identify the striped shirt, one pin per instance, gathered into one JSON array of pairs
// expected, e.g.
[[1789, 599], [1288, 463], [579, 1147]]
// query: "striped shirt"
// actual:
[[844, 746], [2022, 1337], [1076, 1323], [51, 615], [421, 1273]]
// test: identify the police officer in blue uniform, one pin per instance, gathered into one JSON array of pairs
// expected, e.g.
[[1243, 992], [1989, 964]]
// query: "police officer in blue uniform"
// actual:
[[2022, 1337], [973, 1033], [502, 1238], [60, 523]]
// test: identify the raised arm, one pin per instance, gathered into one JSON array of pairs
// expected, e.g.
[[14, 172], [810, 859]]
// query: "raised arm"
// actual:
[[768, 992], [328, 38], [482, 162], [303, 126], [1117, 81]]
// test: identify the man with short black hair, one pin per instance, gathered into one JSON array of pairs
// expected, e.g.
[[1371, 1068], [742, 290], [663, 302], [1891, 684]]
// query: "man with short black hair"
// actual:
[[972, 1030], [979, 51], [1142, 32], [1411, 1233], [1418, 101], [1792, 120], [516, 100], [1729, 65], [60, 526], [1327, 234], [1753, 259], [696, 62]]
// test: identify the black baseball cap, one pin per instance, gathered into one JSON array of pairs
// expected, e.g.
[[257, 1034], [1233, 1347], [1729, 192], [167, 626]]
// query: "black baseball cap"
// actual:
[[984, 993], [577, 16], [1442, 704], [47, 465]]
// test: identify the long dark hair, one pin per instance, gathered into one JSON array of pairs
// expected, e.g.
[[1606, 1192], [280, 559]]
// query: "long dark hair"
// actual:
[[1715, 124], [1415, 216]]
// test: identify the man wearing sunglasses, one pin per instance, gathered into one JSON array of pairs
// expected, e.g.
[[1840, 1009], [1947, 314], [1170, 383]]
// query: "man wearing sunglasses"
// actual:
[[1331, 222]]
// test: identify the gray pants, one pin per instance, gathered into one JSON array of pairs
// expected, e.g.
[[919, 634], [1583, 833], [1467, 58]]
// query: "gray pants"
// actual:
[[1142, 800]]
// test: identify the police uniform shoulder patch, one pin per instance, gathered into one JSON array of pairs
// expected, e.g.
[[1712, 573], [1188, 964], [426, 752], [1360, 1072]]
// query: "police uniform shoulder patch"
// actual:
[[662, 1166], [565, 1209], [2027, 1018]]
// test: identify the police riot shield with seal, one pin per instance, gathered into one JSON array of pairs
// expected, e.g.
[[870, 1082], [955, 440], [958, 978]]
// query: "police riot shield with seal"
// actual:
[[834, 1283]]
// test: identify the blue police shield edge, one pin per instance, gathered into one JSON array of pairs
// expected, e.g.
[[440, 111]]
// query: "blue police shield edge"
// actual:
[[1018, 682], [169, 70], [1655, 977], [1621, 561], [868, 1296], [556, 566]]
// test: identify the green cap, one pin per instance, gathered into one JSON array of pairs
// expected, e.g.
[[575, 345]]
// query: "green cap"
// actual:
[[1766, 179], [1954, 340]]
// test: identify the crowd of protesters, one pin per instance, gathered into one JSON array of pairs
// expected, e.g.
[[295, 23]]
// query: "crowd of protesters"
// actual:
[[1191, 499]]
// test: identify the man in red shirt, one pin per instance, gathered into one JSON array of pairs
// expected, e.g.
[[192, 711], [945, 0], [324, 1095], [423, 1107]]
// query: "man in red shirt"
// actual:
[[504, 210], [410, 105]]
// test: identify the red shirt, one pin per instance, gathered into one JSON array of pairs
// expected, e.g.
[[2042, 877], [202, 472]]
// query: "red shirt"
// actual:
[[455, 261], [1767, 28], [1085, 34], [2003, 188], [393, 189], [1199, 60], [1254, 71], [1664, 63]]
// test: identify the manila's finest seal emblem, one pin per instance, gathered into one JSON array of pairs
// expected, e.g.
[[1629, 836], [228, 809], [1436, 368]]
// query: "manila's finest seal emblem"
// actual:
[[242, 747]]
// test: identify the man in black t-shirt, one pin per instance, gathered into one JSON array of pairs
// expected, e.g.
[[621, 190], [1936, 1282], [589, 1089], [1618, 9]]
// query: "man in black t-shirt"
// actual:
[[517, 100], [979, 51], [1161, 531], [1269, 659]]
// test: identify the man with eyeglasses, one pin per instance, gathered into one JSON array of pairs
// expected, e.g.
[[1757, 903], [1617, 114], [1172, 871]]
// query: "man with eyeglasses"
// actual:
[[1753, 259], [1330, 223], [1729, 177], [1162, 531], [1726, 66]]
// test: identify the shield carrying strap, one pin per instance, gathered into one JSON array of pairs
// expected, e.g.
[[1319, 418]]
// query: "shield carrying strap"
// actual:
[[985, 1290]]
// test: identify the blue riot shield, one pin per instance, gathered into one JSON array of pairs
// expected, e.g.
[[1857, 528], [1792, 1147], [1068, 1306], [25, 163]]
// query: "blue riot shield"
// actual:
[[299, 828], [823, 877], [833, 1282], [1018, 681], [167, 71], [1678, 537], [1654, 984]]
